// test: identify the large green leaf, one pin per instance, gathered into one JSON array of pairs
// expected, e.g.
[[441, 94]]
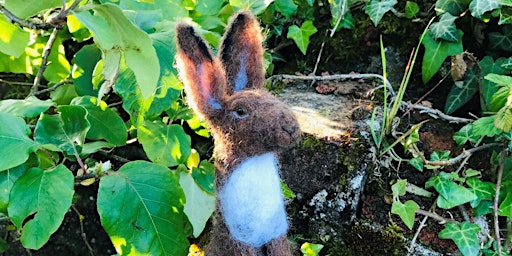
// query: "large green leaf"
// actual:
[[450, 193], [85, 61], [406, 211], [505, 16], [501, 41], [58, 67], [464, 135], [256, 6], [200, 204], [377, 8], [204, 176], [454, 7], [436, 51], [445, 28], [13, 40], [489, 88], [482, 189], [15, 145], [141, 208], [105, 123], [66, 130], [500, 98], [301, 35], [29, 107], [286, 7], [209, 7], [164, 144], [505, 208], [479, 7], [461, 94], [7, 179], [45, 194], [464, 236], [484, 126], [411, 9], [114, 33], [26, 8]]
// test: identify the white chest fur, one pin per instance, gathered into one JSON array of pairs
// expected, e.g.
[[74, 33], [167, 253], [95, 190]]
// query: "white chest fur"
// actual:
[[252, 203]]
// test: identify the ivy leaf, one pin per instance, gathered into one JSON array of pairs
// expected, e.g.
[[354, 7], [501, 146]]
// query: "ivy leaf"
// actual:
[[286, 7], [301, 35], [15, 145], [65, 130], [406, 211], [450, 193], [445, 28], [398, 188], [50, 192], [340, 9], [7, 180], [105, 123], [479, 7], [25, 8], [464, 236], [484, 126], [464, 135], [505, 16], [141, 209], [256, 6], [454, 7], [489, 88], [209, 7], [200, 204], [458, 96], [501, 41], [507, 64], [377, 8], [411, 9], [505, 208], [168, 145], [114, 33], [14, 40], [482, 190], [436, 52], [309, 249], [287, 191], [417, 163], [503, 119]]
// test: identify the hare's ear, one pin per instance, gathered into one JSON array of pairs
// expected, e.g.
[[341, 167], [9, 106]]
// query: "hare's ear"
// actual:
[[200, 71], [241, 53]]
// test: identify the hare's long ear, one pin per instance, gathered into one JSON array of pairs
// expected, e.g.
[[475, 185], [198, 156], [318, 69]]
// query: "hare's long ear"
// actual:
[[200, 71], [241, 53]]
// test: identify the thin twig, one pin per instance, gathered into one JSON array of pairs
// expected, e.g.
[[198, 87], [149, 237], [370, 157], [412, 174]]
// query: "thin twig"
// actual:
[[332, 77], [416, 234], [464, 154], [82, 232], [46, 53], [434, 216], [14, 82], [54, 87], [496, 201], [437, 113], [319, 57], [425, 95]]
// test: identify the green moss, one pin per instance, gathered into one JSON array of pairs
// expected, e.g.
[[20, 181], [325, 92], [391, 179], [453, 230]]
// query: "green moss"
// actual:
[[310, 142]]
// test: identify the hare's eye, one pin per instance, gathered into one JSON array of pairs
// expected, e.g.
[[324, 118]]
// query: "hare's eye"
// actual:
[[240, 112]]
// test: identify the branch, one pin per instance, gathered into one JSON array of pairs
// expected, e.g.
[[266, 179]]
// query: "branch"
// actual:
[[464, 154], [434, 216], [496, 201], [46, 53], [435, 113], [53, 88]]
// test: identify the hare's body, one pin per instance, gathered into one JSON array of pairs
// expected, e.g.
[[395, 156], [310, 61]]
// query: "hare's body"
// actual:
[[248, 126]]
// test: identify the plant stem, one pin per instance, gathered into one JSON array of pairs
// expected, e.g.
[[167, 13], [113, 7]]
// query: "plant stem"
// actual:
[[496, 201], [464, 154], [434, 216], [46, 53], [55, 86]]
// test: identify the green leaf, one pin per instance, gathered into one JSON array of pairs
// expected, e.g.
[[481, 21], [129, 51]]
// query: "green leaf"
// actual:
[[287, 191], [411, 9], [105, 123], [286, 7], [58, 67], [7, 179], [3, 245], [377, 8], [464, 236], [65, 130], [505, 208], [479, 7], [417, 163], [209, 7], [436, 52], [482, 190], [200, 205], [398, 188], [15, 145], [95, 146], [64, 94], [13, 39], [507, 64], [50, 192], [445, 28], [168, 145], [204, 176], [503, 119], [464, 135], [301, 35], [310, 249], [485, 207], [440, 155], [500, 98], [499, 79], [340, 9], [114, 33], [26, 8], [461, 94], [29, 107], [85, 61], [141, 209], [412, 138], [256, 6], [406, 211], [484, 126], [489, 88], [454, 7], [505, 16], [450, 193]]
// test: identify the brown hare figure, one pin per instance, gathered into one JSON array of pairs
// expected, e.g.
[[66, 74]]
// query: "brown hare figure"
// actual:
[[248, 125]]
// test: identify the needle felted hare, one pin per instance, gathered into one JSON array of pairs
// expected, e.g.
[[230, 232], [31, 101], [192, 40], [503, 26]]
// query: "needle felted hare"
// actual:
[[248, 126]]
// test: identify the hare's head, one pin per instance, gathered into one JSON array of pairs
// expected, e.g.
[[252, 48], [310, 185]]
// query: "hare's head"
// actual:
[[228, 91]]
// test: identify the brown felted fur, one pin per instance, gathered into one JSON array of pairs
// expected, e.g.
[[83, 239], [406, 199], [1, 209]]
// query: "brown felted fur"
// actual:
[[263, 124]]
